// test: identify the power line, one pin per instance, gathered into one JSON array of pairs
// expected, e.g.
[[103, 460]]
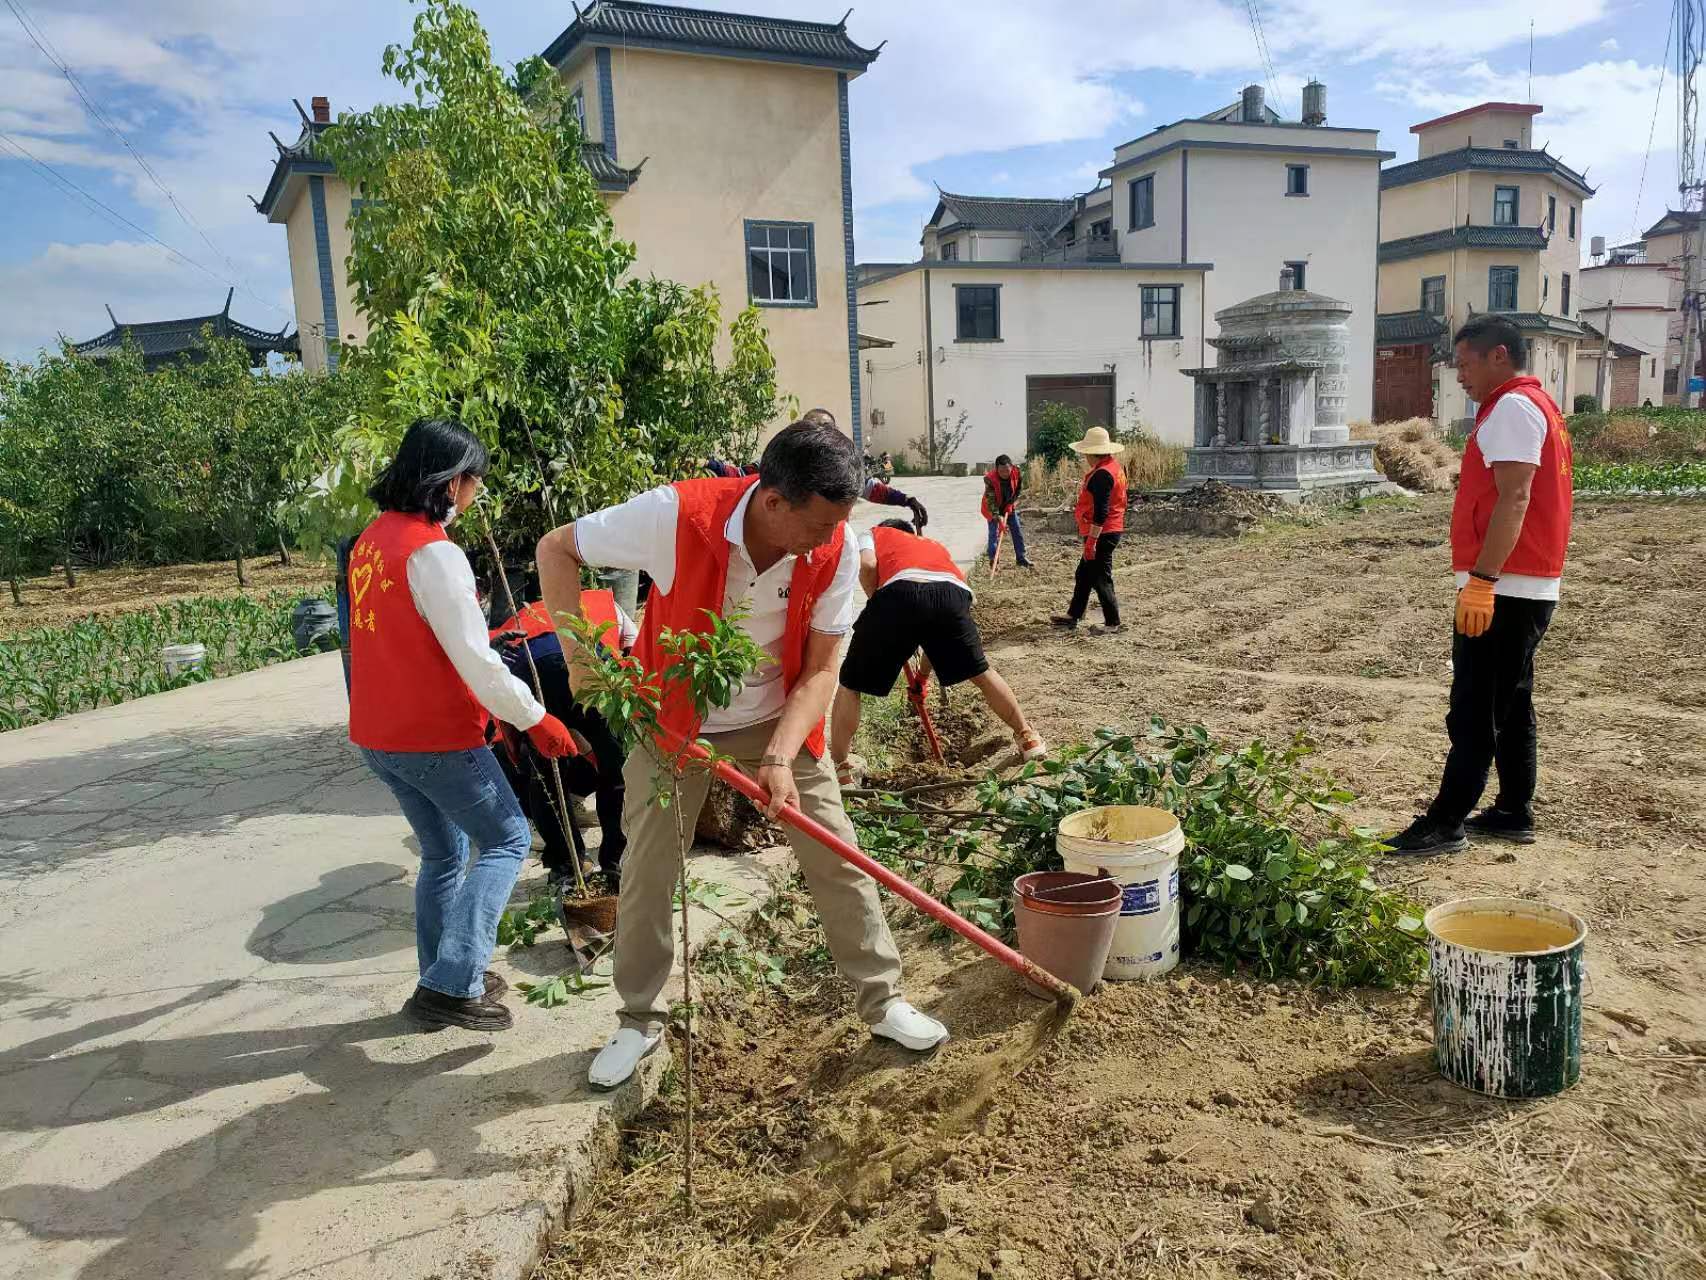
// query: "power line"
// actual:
[[1254, 9], [41, 41]]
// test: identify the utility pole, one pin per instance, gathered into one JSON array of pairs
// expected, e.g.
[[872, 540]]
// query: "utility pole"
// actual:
[[1600, 385], [1690, 300], [1690, 48]]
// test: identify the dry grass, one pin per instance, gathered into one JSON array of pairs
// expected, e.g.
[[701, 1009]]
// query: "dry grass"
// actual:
[[1149, 464], [1411, 453]]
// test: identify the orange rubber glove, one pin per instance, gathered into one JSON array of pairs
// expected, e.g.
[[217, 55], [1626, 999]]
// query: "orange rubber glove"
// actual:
[[1090, 548], [1475, 607], [553, 739]]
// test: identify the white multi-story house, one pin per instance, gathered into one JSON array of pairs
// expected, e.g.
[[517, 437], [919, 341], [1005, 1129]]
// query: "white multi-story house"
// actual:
[[1642, 282], [1103, 299]]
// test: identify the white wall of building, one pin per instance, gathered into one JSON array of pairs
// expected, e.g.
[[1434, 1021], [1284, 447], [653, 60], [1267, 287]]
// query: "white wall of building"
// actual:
[[1055, 320]]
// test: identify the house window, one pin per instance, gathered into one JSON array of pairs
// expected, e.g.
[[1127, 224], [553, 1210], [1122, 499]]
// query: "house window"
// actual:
[[1572, 222], [1551, 214], [1511, 144], [781, 269], [1501, 289], [978, 311], [1433, 295], [1564, 295], [1160, 311], [1297, 271], [1102, 229], [1297, 179], [1504, 206], [950, 251], [577, 108], [1143, 203]]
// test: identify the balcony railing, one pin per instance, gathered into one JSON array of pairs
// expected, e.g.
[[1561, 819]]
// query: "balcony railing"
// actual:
[[1087, 249]]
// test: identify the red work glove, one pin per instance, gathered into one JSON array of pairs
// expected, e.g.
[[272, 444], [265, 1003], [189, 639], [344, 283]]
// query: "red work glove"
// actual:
[[553, 739], [1475, 607]]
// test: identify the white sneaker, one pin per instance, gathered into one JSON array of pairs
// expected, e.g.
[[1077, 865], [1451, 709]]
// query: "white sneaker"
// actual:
[[1032, 746], [909, 1028], [618, 1059]]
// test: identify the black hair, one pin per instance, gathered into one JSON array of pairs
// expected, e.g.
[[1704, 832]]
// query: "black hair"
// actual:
[[1484, 332], [823, 417], [905, 526], [1002, 460], [806, 460], [433, 453]]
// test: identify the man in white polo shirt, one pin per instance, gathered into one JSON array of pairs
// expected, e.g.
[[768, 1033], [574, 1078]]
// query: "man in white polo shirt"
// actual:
[[1510, 530], [774, 547]]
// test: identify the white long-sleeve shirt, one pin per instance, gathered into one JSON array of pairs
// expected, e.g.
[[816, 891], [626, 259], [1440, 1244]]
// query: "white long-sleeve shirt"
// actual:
[[442, 586]]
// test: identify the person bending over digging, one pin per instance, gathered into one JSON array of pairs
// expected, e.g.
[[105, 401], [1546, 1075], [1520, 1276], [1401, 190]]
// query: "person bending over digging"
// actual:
[[774, 549], [1510, 529], [422, 679], [875, 490], [1001, 488], [1100, 514], [917, 597]]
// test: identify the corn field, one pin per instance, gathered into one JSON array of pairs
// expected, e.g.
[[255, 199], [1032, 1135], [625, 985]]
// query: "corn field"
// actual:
[[55, 671]]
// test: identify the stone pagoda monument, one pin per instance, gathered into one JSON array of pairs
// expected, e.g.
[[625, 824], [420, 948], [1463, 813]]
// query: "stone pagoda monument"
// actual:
[[1270, 413]]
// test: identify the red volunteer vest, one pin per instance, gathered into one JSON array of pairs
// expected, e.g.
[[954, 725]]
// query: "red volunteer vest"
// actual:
[[404, 693], [897, 552], [701, 576], [598, 607], [992, 482], [1086, 508], [1545, 537]]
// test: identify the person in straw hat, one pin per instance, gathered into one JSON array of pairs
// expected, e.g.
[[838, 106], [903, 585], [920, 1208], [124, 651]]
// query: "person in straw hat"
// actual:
[[1101, 518]]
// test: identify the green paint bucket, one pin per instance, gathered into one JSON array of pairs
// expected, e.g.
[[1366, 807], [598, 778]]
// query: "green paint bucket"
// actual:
[[1507, 987]]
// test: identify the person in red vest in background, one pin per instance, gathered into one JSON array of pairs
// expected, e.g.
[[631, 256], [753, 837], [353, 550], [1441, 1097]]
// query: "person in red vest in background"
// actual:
[[1001, 489], [598, 771], [1100, 514], [423, 678], [1510, 530], [876, 490], [916, 598], [775, 549]]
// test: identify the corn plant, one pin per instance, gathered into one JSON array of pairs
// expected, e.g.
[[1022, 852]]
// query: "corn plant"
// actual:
[[54, 671]]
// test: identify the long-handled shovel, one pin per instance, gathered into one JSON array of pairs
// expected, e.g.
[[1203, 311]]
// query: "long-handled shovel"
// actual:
[[1000, 537], [916, 685], [1065, 994]]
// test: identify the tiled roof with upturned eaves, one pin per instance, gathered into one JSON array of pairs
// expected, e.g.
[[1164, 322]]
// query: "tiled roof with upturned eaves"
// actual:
[[159, 341], [1504, 159], [1399, 328], [628, 23], [1516, 238], [1002, 213]]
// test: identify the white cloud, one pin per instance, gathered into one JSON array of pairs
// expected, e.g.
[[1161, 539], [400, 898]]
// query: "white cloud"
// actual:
[[1608, 45]]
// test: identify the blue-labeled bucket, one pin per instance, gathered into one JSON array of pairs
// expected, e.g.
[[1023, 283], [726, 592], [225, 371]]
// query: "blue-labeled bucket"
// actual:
[[1139, 848], [1507, 988]]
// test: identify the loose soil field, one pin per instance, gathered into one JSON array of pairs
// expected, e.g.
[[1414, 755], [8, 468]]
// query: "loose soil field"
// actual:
[[1203, 1126], [101, 592]]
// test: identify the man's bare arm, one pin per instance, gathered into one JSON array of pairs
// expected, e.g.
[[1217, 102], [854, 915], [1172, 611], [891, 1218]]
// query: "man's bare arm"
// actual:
[[560, 585], [1515, 481]]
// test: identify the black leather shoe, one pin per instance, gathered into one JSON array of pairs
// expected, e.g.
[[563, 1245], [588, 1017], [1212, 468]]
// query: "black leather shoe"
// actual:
[[1500, 824], [434, 1009], [495, 985], [1425, 838], [1063, 622]]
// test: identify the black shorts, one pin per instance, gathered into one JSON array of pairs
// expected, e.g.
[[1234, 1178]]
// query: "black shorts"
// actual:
[[904, 617]]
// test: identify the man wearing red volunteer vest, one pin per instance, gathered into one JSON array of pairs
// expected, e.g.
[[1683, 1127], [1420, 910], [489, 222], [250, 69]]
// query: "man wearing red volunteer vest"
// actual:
[[1100, 514], [775, 548], [1510, 528], [917, 598], [1001, 489]]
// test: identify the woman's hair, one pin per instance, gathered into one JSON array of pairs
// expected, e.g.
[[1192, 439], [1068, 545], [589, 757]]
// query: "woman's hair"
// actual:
[[433, 453]]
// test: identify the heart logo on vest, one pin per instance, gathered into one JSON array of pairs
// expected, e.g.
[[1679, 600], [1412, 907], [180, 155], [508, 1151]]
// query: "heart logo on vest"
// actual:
[[360, 578]]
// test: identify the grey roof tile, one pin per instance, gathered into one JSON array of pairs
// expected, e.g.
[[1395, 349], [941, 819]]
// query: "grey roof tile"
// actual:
[[1519, 238], [1002, 213], [1395, 328], [1487, 158], [629, 22]]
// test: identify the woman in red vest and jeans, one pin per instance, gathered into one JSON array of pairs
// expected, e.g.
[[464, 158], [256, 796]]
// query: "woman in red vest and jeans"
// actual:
[[422, 679], [1510, 529], [1100, 514]]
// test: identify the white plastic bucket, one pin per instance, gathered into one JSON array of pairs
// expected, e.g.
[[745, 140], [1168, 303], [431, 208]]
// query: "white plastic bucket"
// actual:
[[1139, 847], [180, 658]]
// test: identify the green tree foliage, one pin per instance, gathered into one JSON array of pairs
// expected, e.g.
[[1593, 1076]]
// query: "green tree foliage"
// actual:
[[493, 281], [1058, 426]]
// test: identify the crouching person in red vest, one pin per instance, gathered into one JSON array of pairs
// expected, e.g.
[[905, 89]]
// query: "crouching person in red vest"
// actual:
[[774, 547], [917, 598], [422, 679], [1510, 529]]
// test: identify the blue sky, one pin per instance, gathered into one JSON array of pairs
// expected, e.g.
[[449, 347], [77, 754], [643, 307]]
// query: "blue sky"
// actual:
[[1005, 97]]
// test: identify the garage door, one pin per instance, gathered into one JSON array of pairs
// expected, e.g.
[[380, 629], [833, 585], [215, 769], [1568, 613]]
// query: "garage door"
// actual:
[[1091, 392]]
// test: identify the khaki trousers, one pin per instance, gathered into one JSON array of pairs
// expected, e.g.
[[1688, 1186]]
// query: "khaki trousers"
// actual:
[[846, 898]]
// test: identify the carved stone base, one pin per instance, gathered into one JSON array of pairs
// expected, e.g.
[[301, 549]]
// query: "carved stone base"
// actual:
[[1284, 466]]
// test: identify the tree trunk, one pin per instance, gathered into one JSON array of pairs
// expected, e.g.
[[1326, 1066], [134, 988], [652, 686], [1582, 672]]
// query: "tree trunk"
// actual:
[[242, 574], [70, 571], [17, 591], [283, 548]]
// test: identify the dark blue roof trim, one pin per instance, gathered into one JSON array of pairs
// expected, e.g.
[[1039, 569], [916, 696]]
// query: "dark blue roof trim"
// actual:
[[1502, 159], [1277, 148], [1517, 238]]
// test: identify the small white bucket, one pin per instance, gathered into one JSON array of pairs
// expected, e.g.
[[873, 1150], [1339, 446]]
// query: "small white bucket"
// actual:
[[180, 658], [1139, 847]]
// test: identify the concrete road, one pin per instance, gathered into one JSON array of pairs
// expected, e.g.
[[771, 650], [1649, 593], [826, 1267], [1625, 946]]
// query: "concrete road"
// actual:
[[205, 937]]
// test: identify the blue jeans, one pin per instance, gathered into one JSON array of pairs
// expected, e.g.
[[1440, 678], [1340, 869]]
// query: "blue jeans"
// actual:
[[448, 798], [1013, 531]]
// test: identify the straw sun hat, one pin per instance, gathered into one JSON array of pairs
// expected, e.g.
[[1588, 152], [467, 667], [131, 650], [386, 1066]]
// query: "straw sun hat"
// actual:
[[1096, 441]]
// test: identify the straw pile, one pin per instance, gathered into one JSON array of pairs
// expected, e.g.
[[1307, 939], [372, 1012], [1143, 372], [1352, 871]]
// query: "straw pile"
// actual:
[[1411, 453]]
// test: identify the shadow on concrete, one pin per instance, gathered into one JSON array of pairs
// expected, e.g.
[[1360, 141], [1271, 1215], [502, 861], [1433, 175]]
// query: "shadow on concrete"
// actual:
[[57, 809], [355, 913], [194, 1210]]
